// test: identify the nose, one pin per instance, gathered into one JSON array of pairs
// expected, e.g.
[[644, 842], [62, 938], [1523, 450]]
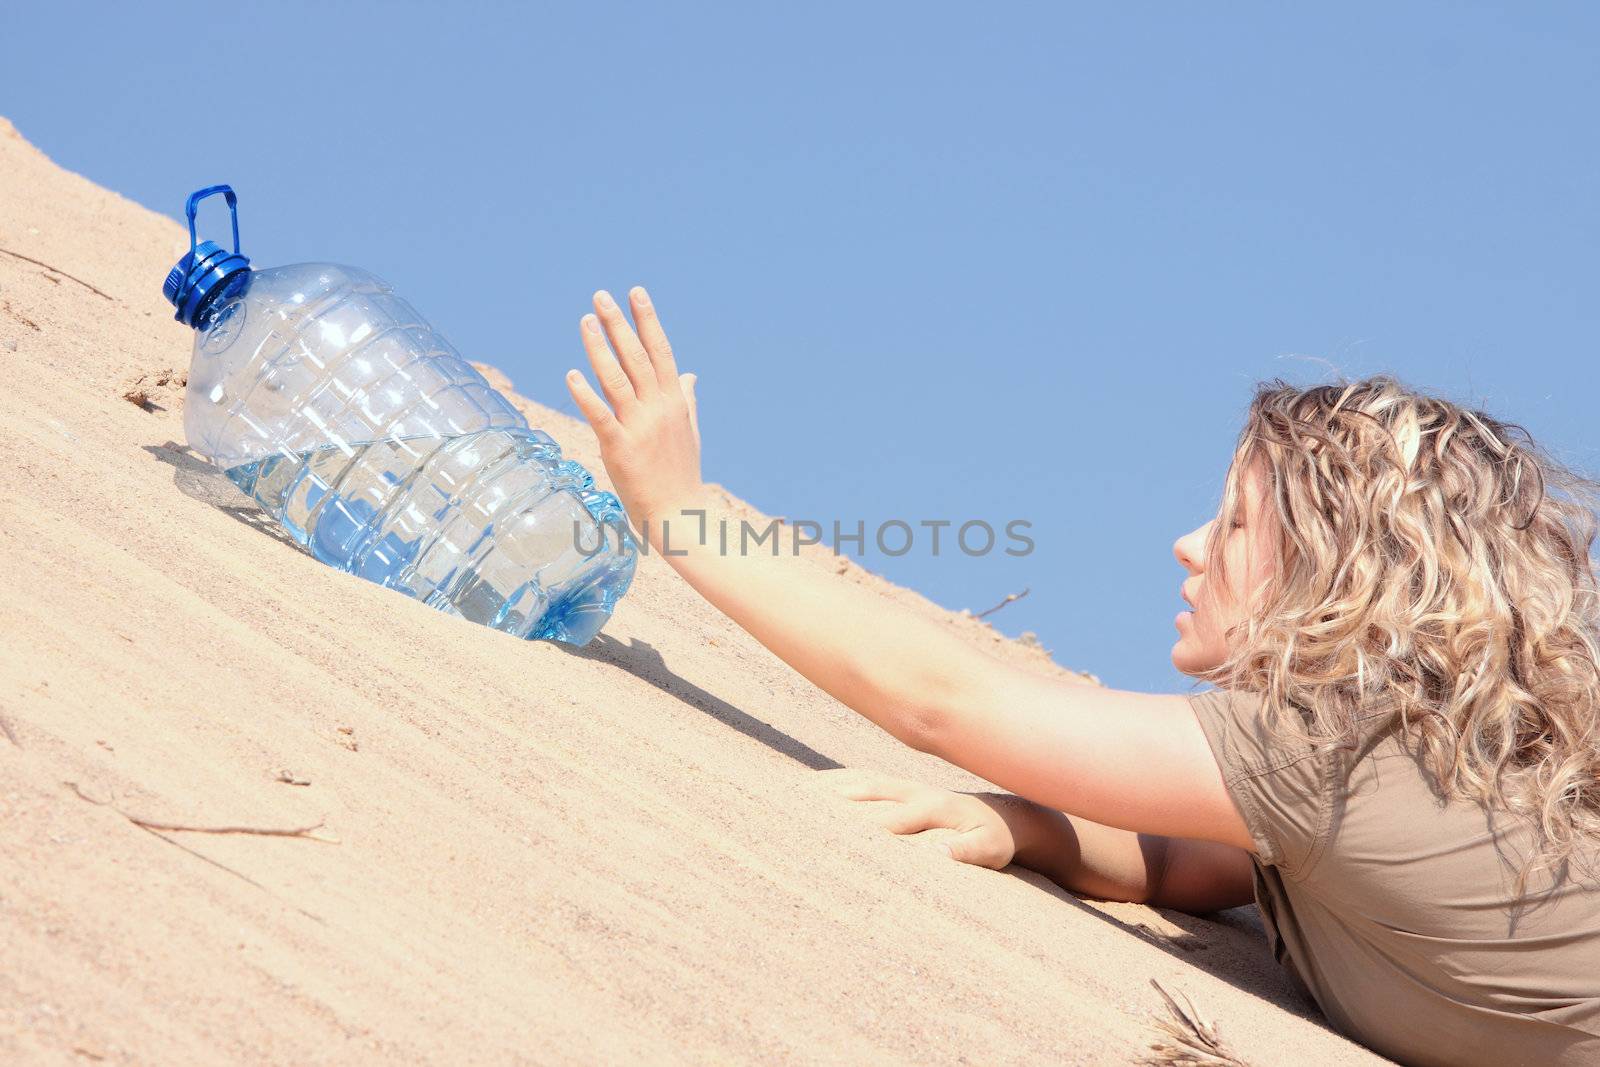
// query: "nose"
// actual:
[[1190, 549]]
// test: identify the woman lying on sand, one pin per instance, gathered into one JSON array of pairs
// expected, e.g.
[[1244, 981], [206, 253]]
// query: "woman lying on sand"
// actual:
[[1401, 617]]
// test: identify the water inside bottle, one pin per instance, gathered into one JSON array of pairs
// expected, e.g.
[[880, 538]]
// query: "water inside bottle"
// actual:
[[492, 525]]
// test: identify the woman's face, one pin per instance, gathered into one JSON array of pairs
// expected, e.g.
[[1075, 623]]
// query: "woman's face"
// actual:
[[1217, 605]]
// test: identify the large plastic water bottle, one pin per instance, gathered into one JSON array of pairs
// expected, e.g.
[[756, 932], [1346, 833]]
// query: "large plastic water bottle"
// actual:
[[366, 435]]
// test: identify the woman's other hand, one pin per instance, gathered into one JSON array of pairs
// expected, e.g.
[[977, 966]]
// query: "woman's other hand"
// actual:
[[974, 830], [647, 422]]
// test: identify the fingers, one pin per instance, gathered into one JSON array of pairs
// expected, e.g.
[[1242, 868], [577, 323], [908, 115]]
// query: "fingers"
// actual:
[[630, 353], [853, 784], [688, 382], [931, 817], [653, 337], [613, 380], [902, 818], [899, 806], [968, 847], [594, 409]]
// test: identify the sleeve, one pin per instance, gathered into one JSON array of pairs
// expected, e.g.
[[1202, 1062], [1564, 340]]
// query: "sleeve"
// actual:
[[1284, 790]]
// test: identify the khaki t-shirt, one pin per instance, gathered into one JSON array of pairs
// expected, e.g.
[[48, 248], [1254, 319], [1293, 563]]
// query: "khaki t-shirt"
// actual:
[[1393, 910]]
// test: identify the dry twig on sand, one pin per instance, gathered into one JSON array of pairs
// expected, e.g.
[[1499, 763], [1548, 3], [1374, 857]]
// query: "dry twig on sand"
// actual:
[[152, 824], [58, 270], [1010, 598], [1190, 1041]]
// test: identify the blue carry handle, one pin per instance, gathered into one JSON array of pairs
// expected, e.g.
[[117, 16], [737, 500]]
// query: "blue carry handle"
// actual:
[[233, 209]]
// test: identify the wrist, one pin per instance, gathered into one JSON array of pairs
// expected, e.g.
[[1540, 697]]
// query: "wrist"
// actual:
[[678, 521], [1034, 829]]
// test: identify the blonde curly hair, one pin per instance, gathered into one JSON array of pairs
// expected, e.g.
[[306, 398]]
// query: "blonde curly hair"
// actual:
[[1437, 557]]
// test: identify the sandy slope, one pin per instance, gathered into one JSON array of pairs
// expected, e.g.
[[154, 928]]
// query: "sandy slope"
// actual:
[[529, 854]]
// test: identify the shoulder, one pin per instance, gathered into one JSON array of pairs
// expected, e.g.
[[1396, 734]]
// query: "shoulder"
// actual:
[[1242, 732], [1285, 788]]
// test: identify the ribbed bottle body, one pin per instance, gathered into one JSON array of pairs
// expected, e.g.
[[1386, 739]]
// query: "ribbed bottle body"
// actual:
[[374, 444]]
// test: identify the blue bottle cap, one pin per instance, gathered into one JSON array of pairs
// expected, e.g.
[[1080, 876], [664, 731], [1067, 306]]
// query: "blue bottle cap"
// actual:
[[201, 273]]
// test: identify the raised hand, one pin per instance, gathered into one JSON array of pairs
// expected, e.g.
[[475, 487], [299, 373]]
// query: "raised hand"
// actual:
[[647, 423]]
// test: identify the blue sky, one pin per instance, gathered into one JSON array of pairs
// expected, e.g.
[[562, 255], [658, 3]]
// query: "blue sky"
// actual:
[[931, 262]]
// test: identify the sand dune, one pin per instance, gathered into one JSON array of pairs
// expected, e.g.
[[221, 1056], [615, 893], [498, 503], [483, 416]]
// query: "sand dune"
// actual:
[[522, 853]]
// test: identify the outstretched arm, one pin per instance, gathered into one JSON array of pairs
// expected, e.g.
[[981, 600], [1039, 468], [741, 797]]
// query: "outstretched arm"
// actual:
[[889, 665], [1131, 760]]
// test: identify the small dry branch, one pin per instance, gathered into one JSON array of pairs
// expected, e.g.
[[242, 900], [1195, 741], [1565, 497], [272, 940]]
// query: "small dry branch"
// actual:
[[1011, 598], [154, 824], [58, 270], [1189, 1041]]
